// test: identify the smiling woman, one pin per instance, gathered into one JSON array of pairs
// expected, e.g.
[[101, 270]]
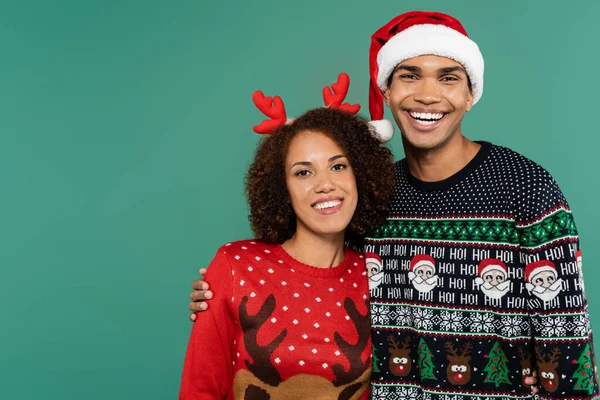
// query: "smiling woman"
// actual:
[[290, 314], [274, 175]]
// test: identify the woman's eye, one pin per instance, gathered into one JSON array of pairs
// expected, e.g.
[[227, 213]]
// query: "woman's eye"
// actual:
[[338, 167], [302, 172]]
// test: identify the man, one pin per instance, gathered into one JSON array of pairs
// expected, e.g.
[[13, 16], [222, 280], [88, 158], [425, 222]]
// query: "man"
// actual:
[[476, 212]]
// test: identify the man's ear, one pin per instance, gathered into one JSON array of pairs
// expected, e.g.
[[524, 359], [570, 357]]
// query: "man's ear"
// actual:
[[469, 101], [386, 96]]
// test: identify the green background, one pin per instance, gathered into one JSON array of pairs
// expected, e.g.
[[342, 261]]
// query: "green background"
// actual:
[[125, 133]]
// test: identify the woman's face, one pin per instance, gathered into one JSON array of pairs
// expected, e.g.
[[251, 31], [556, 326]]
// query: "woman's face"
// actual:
[[320, 183]]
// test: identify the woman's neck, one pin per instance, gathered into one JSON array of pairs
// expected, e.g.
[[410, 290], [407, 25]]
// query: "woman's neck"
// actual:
[[322, 251]]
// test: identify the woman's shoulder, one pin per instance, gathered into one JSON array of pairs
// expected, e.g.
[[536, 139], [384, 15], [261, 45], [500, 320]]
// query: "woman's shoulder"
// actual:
[[244, 249], [355, 255], [245, 244]]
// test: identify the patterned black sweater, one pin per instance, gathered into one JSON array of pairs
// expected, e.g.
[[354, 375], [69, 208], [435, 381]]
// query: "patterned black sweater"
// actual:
[[475, 282]]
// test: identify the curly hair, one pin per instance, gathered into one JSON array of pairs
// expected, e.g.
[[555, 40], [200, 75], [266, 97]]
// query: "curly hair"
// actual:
[[271, 215]]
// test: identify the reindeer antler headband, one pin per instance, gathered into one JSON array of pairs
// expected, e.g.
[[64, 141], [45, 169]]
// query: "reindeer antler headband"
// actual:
[[333, 97]]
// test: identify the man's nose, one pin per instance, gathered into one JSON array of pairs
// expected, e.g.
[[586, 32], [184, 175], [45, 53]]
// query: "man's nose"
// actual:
[[428, 91]]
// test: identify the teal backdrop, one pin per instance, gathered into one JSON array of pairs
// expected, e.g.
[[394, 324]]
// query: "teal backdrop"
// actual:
[[126, 131]]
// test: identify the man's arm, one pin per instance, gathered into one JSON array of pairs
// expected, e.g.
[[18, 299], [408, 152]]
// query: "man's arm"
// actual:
[[560, 324]]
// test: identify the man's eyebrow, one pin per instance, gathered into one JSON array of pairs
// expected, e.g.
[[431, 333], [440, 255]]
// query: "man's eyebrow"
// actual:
[[409, 68], [449, 70]]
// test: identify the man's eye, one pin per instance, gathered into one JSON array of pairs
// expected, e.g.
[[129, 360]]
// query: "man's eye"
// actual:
[[449, 78], [338, 167], [407, 76]]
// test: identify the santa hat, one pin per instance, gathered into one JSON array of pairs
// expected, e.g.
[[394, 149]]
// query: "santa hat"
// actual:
[[491, 264], [372, 257], [578, 254], [536, 267], [422, 260], [414, 34]]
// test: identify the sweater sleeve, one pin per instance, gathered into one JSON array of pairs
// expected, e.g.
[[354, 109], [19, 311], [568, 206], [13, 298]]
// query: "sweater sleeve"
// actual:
[[560, 325], [208, 370]]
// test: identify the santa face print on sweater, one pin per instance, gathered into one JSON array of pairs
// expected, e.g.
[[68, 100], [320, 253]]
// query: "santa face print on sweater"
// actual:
[[492, 279], [542, 280], [422, 274], [374, 270]]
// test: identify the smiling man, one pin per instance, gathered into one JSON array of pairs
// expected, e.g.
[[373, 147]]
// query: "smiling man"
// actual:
[[476, 238], [491, 222]]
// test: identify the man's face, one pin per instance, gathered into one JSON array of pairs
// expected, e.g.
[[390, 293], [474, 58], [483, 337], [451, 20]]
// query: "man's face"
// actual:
[[428, 96]]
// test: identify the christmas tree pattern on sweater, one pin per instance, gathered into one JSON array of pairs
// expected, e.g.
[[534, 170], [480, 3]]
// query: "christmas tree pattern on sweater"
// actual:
[[483, 272]]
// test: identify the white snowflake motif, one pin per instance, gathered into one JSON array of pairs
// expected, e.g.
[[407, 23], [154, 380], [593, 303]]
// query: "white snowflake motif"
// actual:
[[482, 322], [408, 393], [404, 316], [451, 321], [422, 318], [554, 326], [379, 314], [379, 392], [511, 326], [582, 325]]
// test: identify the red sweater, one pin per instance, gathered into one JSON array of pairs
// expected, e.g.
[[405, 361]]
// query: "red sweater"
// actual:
[[280, 329]]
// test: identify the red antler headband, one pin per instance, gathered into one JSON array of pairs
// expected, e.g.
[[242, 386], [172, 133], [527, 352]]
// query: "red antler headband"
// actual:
[[333, 96]]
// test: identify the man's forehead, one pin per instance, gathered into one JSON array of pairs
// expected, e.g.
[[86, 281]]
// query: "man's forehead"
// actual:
[[430, 60]]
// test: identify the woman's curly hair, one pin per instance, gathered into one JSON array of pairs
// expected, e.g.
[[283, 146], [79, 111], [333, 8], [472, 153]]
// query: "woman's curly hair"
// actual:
[[271, 215]]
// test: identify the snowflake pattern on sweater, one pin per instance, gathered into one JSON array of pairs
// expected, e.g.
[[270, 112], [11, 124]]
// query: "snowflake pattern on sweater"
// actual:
[[280, 329], [482, 273]]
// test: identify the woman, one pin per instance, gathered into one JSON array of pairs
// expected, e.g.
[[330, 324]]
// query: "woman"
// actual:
[[289, 318]]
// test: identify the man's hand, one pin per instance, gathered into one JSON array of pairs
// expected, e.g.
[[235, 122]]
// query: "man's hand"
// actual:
[[532, 381], [199, 295]]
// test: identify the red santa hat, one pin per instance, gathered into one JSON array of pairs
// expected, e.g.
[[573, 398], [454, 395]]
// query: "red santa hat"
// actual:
[[536, 267], [422, 260], [578, 254], [491, 264], [414, 34]]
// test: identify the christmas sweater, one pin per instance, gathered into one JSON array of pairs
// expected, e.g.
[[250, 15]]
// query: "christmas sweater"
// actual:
[[280, 329], [476, 281]]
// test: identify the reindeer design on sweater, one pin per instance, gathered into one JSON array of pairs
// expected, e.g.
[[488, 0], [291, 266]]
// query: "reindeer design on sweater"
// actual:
[[262, 381], [459, 369], [400, 359], [547, 367]]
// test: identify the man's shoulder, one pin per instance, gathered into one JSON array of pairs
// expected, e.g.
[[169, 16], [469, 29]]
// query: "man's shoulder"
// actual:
[[516, 166]]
